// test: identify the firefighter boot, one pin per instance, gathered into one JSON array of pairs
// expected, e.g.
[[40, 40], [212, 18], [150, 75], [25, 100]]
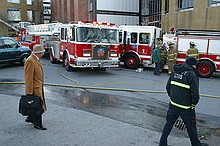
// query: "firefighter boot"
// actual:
[[201, 144]]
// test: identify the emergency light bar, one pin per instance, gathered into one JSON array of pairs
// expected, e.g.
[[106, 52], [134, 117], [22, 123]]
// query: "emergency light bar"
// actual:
[[95, 23]]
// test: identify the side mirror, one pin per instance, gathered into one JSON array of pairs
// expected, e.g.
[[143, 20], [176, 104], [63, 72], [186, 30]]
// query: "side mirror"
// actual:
[[128, 38], [128, 41], [67, 40], [19, 44]]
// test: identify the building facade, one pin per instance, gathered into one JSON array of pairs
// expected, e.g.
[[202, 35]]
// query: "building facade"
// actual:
[[129, 12], [14, 11], [66, 11], [190, 14], [151, 12], [119, 12]]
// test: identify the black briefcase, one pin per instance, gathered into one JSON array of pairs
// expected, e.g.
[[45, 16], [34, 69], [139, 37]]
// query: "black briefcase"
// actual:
[[30, 105]]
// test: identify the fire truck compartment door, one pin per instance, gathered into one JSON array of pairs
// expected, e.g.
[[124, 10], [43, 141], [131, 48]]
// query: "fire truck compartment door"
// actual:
[[201, 44]]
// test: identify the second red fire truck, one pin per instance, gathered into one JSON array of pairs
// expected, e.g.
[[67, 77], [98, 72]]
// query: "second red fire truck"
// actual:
[[137, 44], [208, 44]]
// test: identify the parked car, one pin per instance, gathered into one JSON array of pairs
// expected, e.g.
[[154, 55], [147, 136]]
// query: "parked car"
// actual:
[[12, 51]]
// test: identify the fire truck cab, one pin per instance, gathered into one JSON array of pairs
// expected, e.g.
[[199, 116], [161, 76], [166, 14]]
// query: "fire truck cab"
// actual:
[[137, 44], [87, 45], [208, 44]]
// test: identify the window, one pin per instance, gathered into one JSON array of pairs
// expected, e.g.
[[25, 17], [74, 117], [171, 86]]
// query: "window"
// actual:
[[166, 6], [144, 38], [14, 14], [29, 2], [108, 36], [63, 33], [151, 12], [47, 9], [13, 1], [185, 4], [1, 44], [7, 43], [133, 37], [73, 35], [120, 37], [29, 15], [90, 5], [213, 2], [10, 43]]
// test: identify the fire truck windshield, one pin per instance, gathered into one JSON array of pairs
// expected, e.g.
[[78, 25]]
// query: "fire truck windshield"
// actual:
[[87, 34], [96, 35], [109, 36]]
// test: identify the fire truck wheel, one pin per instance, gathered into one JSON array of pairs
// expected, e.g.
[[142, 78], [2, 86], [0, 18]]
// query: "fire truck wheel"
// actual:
[[67, 63], [131, 61], [205, 69], [52, 59]]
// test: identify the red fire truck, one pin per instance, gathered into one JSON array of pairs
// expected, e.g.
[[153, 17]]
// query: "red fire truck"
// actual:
[[137, 44], [79, 45], [208, 44]]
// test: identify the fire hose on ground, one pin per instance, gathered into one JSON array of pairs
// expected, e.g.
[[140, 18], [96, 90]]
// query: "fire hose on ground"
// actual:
[[104, 88], [100, 88]]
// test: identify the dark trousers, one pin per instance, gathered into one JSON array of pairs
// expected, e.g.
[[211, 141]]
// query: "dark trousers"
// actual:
[[157, 68], [162, 63], [36, 120], [188, 116]]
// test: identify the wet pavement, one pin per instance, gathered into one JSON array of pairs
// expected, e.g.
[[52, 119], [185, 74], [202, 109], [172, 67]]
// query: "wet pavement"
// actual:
[[146, 113]]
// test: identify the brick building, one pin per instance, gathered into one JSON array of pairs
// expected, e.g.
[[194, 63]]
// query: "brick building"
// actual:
[[14, 11], [66, 11], [190, 14]]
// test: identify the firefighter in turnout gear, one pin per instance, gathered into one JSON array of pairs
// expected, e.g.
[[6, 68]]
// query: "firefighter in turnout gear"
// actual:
[[192, 51], [171, 57], [183, 90], [163, 56]]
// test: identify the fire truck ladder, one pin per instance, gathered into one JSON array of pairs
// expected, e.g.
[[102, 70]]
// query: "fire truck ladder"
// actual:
[[188, 32], [44, 29], [9, 25]]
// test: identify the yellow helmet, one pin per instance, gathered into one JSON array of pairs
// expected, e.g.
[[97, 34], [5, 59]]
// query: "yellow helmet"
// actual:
[[159, 42], [191, 43], [170, 43]]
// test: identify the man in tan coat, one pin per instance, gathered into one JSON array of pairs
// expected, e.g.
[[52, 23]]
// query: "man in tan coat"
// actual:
[[34, 80]]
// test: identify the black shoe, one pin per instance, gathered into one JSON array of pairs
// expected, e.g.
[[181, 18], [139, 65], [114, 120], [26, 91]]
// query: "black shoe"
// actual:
[[28, 120], [40, 128], [203, 144], [156, 74]]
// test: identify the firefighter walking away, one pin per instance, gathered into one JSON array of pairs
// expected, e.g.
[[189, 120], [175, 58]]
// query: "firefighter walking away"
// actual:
[[183, 89], [192, 51]]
